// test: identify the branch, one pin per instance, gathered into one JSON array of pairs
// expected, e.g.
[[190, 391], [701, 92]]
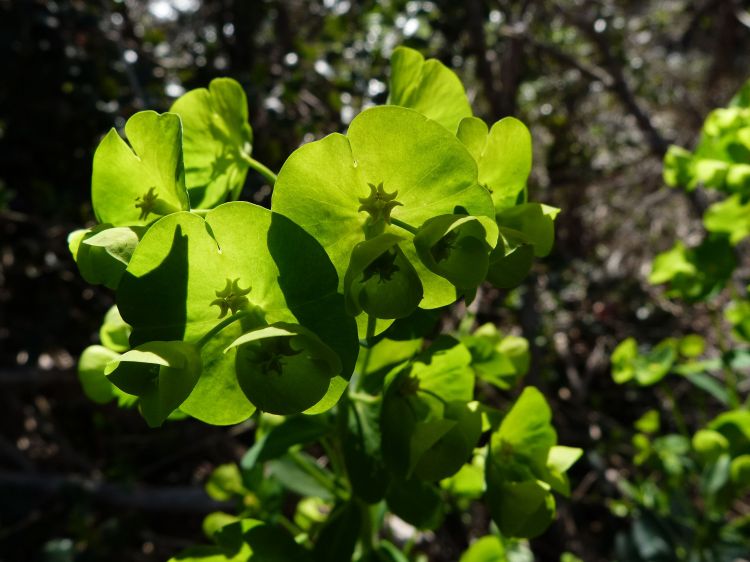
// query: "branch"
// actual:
[[618, 85], [180, 499]]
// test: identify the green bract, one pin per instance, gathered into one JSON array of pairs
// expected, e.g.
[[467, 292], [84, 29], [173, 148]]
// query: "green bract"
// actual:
[[217, 141], [457, 247], [189, 274], [134, 185], [501, 361], [427, 427], [102, 253], [503, 155], [284, 368], [428, 87], [380, 280], [161, 373], [334, 188]]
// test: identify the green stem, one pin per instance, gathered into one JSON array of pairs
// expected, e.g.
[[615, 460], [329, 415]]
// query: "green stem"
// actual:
[[403, 225], [317, 476], [730, 377], [220, 326], [679, 419], [260, 168], [200, 212], [367, 535], [433, 394]]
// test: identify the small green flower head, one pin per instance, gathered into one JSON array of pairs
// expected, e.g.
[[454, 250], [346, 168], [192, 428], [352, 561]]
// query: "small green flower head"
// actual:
[[380, 280], [284, 368], [457, 248], [379, 203], [231, 298]]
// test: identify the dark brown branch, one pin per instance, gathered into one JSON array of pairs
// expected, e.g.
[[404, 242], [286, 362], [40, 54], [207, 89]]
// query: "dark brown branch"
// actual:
[[618, 85]]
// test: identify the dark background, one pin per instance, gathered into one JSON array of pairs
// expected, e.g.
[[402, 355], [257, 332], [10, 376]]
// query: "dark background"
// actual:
[[604, 86]]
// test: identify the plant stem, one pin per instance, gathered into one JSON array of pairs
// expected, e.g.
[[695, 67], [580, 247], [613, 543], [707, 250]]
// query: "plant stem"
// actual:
[[367, 535], [329, 485], [403, 225], [220, 326], [260, 168], [679, 419], [730, 377], [200, 212]]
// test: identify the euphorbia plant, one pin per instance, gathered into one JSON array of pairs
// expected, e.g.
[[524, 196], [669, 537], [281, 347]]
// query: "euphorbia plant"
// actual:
[[323, 309]]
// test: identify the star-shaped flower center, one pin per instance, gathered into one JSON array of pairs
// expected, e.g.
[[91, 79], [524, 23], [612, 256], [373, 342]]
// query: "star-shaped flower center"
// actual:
[[384, 266], [146, 203], [410, 385], [231, 297], [444, 246], [379, 203]]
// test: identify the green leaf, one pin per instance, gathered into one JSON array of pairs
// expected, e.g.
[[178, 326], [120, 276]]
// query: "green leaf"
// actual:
[[448, 454], [667, 265], [445, 370], [416, 502], [338, 537], [431, 173], [677, 166], [374, 363], [428, 87], [225, 482], [115, 332], [187, 272], [217, 139], [468, 482], [522, 508], [295, 472], [134, 185], [709, 445], [503, 156], [695, 273], [486, 549], [560, 459], [735, 427], [526, 431], [730, 216], [361, 447], [294, 430], [740, 472], [511, 260], [656, 364], [213, 522], [692, 345], [104, 261], [162, 374], [457, 247], [91, 365], [649, 422], [284, 368], [623, 360], [535, 221], [501, 361]]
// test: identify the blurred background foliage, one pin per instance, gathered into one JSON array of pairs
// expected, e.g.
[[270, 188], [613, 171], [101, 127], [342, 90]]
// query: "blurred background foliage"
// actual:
[[605, 86]]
